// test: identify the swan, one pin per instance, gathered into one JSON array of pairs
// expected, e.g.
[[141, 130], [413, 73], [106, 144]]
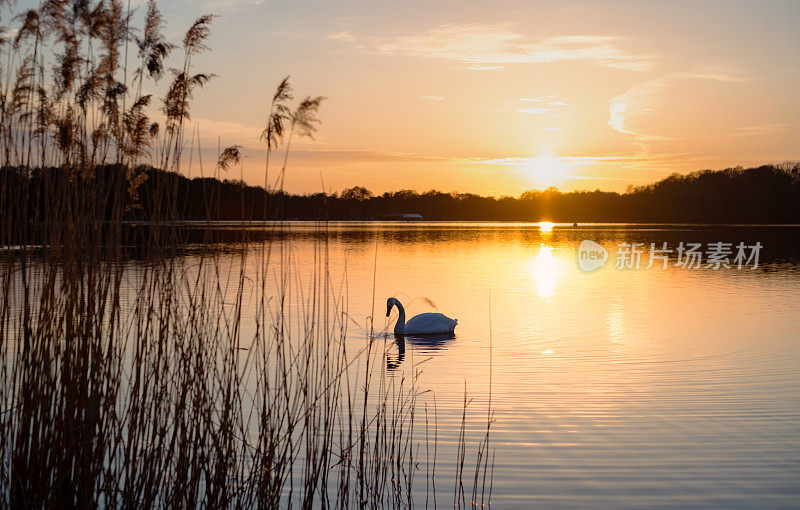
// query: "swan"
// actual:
[[422, 324]]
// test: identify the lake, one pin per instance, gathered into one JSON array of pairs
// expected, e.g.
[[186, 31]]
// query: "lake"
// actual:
[[621, 365], [674, 387]]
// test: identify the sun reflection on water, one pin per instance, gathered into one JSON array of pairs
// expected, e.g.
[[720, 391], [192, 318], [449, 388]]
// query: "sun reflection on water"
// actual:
[[545, 269]]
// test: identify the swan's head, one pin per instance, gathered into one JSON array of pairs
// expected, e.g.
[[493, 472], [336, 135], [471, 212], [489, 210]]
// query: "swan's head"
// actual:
[[389, 304]]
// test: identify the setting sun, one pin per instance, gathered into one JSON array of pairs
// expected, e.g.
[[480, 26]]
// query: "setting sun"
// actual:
[[546, 170]]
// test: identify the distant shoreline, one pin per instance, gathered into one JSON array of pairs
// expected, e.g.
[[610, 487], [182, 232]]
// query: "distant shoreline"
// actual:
[[439, 223], [767, 195]]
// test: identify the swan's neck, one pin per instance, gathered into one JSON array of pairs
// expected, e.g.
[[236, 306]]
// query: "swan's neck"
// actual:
[[399, 326]]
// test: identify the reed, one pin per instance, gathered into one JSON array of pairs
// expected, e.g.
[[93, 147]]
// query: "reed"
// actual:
[[137, 370]]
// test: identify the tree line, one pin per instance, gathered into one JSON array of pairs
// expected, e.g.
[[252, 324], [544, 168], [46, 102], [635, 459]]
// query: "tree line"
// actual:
[[765, 194]]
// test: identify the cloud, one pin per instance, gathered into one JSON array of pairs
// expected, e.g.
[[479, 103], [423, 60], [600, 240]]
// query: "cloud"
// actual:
[[621, 106], [759, 130], [339, 157], [345, 157], [432, 98], [342, 36], [227, 6], [640, 96], [570, 160], [538, 110], [485, 47], [535, 111]]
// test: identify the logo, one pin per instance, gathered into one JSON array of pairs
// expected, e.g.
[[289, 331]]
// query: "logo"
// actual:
[[591, 255]]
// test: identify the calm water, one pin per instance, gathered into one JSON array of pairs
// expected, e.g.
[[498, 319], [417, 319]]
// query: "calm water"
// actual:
[[651, 387]]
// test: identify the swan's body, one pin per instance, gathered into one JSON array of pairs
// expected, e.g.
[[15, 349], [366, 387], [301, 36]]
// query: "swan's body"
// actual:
[[422, 324]]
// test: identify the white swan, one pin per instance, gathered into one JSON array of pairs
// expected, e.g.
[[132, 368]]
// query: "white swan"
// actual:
[[422, 324]]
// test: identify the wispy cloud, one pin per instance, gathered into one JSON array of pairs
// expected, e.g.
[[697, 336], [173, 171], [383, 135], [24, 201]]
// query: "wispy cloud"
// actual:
[[759, 130], [621, 106], [347, 156], [535, 111], [226, 6], [549, 101], [342, 36], [432, 98], [570, 160], [640, 97], [486, 47]]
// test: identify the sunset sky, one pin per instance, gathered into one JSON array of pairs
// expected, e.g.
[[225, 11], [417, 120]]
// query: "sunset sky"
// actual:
[[499, 97]]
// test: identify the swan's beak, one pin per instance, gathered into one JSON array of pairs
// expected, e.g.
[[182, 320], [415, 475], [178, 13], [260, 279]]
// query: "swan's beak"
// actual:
[[388, 310]]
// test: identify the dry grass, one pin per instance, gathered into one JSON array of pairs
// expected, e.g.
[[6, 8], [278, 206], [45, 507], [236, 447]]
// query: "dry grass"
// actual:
[[137, 373]]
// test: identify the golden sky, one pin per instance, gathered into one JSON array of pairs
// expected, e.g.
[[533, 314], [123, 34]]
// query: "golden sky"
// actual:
[[500, 97]]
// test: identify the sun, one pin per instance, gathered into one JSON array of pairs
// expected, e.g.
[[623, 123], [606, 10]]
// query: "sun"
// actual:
[[546, 170]]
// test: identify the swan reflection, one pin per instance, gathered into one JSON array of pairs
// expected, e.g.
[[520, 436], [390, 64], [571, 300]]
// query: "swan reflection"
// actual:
[[423, 343]]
